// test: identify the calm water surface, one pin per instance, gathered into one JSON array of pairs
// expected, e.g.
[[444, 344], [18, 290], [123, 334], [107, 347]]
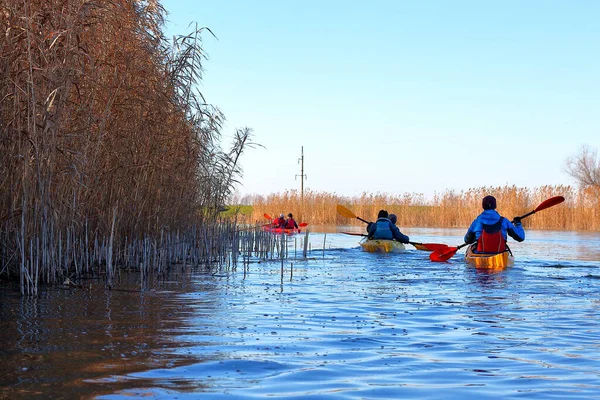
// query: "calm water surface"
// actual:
[[342, 324]]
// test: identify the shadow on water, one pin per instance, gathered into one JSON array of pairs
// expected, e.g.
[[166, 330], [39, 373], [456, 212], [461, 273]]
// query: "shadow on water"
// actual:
[[341, 324]]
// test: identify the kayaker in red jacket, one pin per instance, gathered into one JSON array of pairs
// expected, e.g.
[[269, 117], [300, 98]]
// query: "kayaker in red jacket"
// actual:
[[279, 222], [490, 230], [290, 223]]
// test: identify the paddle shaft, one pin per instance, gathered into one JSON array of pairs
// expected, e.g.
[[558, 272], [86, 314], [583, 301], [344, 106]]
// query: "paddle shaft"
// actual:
[[363, 220], [525, 216], [528, 214], [462, 245], [531, 213], [362, 234], [552, 201]]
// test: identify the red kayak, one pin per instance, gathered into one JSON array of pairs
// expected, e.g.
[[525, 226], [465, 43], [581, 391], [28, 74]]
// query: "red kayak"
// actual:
[[287, 231]]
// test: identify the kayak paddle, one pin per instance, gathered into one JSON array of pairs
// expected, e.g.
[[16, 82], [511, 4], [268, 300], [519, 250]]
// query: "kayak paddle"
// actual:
[[343, 211], [429, 246], [552, 201], [267, 216], [355, 234], [419, 246], [446, 254]]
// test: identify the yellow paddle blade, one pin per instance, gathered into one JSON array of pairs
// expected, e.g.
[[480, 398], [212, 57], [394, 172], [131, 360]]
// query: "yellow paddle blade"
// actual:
[[343, 211]]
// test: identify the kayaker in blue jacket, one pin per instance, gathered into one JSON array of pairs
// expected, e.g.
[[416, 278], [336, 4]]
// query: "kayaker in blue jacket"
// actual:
[[383, 228], [491, 230]]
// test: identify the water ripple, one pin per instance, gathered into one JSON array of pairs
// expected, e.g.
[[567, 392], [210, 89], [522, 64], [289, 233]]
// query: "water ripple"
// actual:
[[346, 325]]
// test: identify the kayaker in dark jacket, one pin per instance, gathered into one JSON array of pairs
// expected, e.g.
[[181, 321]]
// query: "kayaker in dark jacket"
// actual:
[[383, 228], [403, 238], [290, 223], [491, 230]]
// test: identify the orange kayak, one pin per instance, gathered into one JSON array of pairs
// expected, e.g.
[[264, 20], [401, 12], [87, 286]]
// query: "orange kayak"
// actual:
[[489, 261]]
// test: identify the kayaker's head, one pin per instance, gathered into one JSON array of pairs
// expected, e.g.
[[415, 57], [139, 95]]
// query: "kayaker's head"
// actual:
[[281, 216], [393, 218], [488, 203], [290, 215], [382, 214]]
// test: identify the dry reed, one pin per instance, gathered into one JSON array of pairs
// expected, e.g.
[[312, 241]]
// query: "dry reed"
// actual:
[[109, 152], [449, 209]]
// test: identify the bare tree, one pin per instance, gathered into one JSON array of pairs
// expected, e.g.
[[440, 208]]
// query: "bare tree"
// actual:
[[584, 167]]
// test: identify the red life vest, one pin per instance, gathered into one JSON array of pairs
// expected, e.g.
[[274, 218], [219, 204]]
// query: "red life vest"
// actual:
[[491, 239], [290, 223], [279, 223]]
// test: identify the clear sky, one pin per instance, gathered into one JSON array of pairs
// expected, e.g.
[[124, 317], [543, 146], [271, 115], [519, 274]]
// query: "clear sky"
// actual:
[[398, 96]]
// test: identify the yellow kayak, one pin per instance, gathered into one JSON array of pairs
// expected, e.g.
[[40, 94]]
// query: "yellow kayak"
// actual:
[[489, 261], [381, 246]]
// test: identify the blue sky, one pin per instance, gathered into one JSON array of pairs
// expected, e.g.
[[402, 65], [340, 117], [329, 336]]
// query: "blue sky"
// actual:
[[401, 97]]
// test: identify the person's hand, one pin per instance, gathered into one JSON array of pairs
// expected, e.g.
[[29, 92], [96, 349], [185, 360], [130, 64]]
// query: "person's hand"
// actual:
[[516, 220]]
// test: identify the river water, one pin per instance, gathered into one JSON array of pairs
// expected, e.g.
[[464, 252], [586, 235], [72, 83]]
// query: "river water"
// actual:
[[342, 324]]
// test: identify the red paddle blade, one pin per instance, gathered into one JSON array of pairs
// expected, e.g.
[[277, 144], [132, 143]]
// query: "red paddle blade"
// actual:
[[433, 246], [442, 255], [267, 216], [303, 224], [549, 203]]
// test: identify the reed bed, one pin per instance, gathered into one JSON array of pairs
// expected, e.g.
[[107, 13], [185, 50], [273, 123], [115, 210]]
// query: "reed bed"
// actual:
[[110, 154], [580, 211]]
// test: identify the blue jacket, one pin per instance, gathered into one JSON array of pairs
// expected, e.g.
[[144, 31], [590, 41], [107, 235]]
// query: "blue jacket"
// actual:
[[490, 217], [384, 229]]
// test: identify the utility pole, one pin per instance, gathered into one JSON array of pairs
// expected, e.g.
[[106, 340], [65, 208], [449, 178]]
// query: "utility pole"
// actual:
[[302, 176]]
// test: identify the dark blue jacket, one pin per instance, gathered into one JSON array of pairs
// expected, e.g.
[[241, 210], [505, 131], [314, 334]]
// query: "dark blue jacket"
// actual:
[[384, 229], [490, 217]]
